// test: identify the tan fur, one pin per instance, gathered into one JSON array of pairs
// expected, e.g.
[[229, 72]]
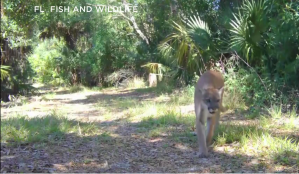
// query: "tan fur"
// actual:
[[208, 105]]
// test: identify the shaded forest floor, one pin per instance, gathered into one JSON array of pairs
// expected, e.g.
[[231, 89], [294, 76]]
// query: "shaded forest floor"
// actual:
[[137, 130]]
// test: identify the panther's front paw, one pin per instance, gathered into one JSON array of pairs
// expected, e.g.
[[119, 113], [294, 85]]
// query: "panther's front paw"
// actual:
[[203, 155]]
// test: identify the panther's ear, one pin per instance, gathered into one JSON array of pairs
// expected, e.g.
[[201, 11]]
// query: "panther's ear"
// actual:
[[220, 90]]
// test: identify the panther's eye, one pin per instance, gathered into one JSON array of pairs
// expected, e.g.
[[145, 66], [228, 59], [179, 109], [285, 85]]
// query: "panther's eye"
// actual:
[[208, 100]]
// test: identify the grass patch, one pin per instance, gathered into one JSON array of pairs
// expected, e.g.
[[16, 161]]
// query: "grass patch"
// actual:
[[229, 133], [184, 97], [49, 96], [76, 88], [22, 129], [136, 82], [165, 120], [95, 88], [124, 102], [275, 111], [104, 137], [293, 120], [142, 110], [112, 104], [257, 140], [23, 100], [157, 132], [278, 120], [233, 100], [169, 123], [253, 112], [184, 136], [162, 87], [279, 150]]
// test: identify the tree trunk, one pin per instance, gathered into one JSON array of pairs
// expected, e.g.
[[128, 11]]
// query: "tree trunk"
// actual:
[[152, 78]]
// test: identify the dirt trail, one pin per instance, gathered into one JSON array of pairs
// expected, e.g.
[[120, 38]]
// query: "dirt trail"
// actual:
[[126, 149], [79, 105]]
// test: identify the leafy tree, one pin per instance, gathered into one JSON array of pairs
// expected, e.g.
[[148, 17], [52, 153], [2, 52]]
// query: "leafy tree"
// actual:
[[247, 29], [190, 47]]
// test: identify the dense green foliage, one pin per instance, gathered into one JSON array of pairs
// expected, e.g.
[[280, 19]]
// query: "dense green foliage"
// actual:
[[256, 41]]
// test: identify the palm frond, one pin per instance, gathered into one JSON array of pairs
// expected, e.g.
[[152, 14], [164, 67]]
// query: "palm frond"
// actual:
[[156, 68], [186, 46], [247, 28], [5, 71], [199, 32], [195, 22]]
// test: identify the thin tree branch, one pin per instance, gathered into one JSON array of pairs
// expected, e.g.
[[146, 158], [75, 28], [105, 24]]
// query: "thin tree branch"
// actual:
[[132, 20], [253, 69]]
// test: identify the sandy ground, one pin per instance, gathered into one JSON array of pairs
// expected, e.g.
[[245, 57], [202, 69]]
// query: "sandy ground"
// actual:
[[126, 149]]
